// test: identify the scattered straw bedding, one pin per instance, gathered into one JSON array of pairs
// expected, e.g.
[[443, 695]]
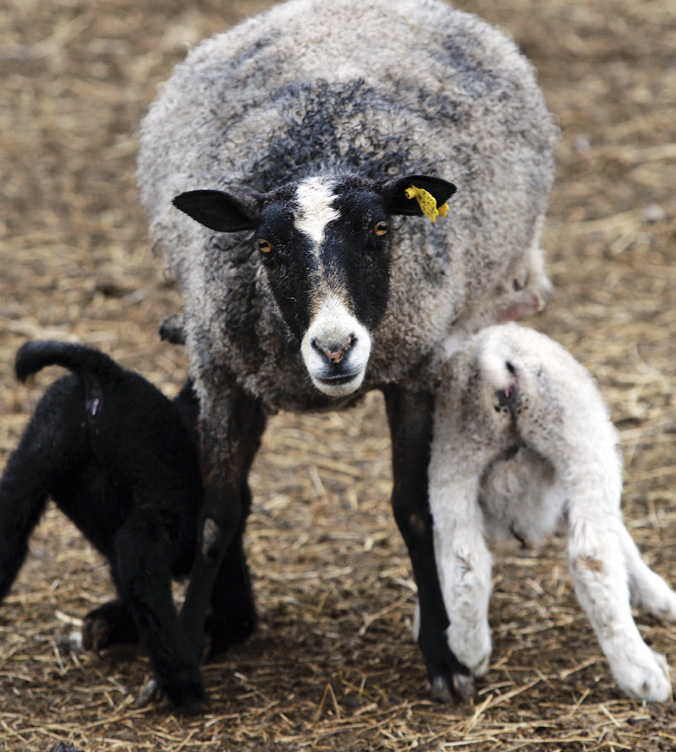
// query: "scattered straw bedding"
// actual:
[[332, 666]]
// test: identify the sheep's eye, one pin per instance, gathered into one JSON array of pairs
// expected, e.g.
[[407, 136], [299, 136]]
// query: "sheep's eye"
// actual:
[[264, 246], [380, 229]]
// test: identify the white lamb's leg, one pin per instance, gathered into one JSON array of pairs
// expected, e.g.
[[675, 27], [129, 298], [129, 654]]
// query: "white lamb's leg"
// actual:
[[599, 571], [648, 590], [464, 565]]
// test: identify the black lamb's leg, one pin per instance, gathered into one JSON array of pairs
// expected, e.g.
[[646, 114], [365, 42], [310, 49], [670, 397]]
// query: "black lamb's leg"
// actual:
[[230, 440], [410, 415], [142, 573], [24, 490]]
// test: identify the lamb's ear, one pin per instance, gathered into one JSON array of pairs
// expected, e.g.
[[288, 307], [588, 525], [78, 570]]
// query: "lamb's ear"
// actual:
[[220, 211], [393, 191]]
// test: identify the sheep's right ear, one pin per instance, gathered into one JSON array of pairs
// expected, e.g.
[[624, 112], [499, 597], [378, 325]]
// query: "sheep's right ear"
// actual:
[[394, 193], [220, 211]]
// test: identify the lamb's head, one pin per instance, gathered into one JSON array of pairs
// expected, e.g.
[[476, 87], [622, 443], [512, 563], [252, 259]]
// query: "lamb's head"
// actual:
[[325, 246]]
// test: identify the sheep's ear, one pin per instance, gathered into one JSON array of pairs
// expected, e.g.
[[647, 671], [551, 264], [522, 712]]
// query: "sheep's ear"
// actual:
[[220, 211], [394, 193]]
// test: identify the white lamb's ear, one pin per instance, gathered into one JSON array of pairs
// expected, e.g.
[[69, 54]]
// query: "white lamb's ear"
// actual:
[[221, 211], [394, 193]]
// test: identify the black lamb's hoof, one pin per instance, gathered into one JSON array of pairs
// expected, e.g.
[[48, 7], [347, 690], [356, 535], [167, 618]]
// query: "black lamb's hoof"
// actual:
[[109, 624], [188, 697], [223, 634], [172, 330]]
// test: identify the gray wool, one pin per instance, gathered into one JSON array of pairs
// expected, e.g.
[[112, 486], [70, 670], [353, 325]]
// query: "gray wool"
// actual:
[[368, 87]]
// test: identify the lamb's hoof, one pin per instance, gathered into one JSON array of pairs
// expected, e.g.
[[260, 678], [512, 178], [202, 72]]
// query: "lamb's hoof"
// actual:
[[151, 692], [172, 330], [649, 683], [192, 700], [95, 634]]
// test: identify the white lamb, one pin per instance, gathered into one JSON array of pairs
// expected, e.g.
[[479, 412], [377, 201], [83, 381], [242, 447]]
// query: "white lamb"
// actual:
[[521, 438]]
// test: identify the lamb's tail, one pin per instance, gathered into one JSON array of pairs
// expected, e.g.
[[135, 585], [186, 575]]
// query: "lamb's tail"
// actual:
[[82, 360]]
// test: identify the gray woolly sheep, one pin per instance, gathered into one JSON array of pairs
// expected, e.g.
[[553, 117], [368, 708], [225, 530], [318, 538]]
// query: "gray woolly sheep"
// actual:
[[310, 276], [521, 438]]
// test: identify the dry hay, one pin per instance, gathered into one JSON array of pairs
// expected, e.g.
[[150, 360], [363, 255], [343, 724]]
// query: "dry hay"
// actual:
[[332, 666]]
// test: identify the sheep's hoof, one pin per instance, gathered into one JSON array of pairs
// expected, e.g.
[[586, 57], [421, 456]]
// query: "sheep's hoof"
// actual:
[[463, 684], [462, 689], [440, 690]]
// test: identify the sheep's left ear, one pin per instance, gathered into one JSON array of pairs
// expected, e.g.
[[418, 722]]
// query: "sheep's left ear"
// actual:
[[221, 211], [393, 191]]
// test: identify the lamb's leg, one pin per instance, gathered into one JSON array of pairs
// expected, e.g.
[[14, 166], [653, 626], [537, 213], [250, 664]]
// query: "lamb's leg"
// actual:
[[464, 562], [142, 573], [24, 490], [648, 590], [230, 439], [410, 417], [600, 576]]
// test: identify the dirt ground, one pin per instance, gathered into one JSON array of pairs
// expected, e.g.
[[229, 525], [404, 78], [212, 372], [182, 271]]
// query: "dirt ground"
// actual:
[[332, 666]]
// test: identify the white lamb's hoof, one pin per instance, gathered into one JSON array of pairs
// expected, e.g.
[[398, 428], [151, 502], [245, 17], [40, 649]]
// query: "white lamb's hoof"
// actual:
[[648, 681], [661, 603]]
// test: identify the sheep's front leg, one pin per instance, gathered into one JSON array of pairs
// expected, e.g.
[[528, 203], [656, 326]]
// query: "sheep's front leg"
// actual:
[[231, 433], [410, 417], [600, 575], [463, 560]]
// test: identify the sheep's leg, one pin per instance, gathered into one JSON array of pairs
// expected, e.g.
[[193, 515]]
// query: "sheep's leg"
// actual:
[[600, 575], [233, 614], [464, 562], [648, 590], [230, 440], [410, 417], [142, 573]]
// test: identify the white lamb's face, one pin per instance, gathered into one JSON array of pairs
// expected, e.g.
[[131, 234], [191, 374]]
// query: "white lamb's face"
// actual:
[[324, 244]]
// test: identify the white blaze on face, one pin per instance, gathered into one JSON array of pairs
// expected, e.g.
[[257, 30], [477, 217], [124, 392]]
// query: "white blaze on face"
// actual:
[[333, 327], [314, 197]]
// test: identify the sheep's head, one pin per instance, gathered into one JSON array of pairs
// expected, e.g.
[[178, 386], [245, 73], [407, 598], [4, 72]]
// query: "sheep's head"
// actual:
[[325, 246]]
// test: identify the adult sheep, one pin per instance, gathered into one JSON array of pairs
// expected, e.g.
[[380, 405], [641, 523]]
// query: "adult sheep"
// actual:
[[292, 139]]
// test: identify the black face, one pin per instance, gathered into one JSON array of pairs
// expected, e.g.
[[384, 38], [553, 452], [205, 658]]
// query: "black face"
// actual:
[[325, 245], [352, 261]]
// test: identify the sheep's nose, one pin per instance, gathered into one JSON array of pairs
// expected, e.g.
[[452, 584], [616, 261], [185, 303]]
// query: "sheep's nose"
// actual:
[[334, 351]]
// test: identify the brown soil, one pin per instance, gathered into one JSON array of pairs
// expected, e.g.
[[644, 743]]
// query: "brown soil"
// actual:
[[332, 666]]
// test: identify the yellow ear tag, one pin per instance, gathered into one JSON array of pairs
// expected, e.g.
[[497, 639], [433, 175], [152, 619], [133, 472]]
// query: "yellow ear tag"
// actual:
[[426, 202]]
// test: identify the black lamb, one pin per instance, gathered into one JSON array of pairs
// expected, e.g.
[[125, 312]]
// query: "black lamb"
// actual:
[[121, 461]]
